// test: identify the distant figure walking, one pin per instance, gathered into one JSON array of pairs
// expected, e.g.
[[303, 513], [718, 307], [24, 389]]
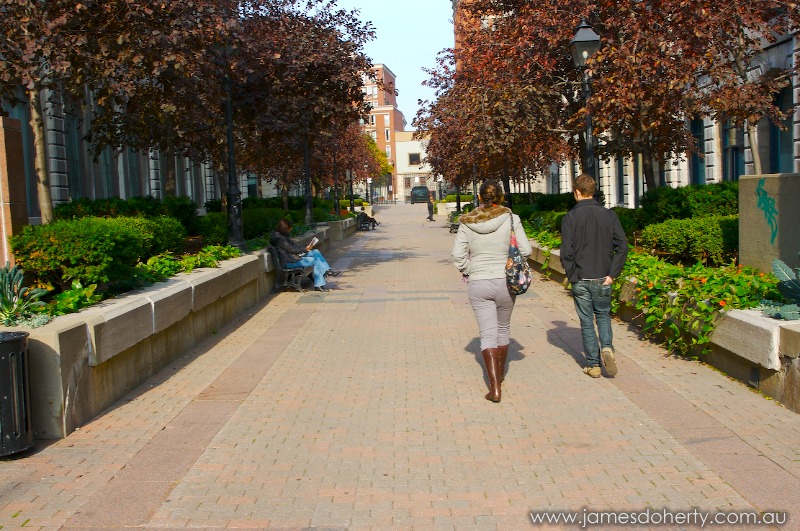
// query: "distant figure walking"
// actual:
[[430, 207], [593, 253], [480, 252]]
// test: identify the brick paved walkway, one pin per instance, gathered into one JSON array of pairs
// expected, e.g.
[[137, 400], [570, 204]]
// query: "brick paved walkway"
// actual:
[[363, 408]]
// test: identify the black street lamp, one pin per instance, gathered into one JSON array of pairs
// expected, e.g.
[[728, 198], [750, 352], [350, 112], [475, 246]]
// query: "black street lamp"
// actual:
[[233, 193], [336, 206], [352, 199], [583, 45]]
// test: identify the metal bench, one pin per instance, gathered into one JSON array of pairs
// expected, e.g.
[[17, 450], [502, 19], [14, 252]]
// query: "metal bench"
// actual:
[[363, 222], [286, 277], [454, 221]]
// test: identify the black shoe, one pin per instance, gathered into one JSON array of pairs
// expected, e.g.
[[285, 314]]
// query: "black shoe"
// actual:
[[332, 273], [321, 288]]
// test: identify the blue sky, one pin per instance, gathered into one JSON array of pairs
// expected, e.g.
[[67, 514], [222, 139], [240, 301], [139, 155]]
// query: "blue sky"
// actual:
[[409, 34]]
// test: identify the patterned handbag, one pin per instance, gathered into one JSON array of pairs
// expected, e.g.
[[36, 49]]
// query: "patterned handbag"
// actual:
[[518, 272]]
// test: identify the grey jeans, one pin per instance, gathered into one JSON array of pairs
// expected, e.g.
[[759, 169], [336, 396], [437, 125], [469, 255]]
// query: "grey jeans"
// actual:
[[492, 304]]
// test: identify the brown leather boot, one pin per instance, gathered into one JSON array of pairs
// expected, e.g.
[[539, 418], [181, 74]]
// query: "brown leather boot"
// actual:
[[490, 361], [502, 353]]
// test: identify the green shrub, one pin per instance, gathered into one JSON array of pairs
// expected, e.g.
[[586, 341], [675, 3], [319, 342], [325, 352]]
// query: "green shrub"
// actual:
[[546, 220], [259, 221], [555, 202], [90, 250], [663, 203], [523, 211], [213, 227], [181, 208], [451, 198], [184, 210], [213, 205], [709, 240], [631, 219]]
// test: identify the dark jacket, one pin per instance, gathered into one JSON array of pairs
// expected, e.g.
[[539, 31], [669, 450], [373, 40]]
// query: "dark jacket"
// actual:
[[593, 244], [288, 251]]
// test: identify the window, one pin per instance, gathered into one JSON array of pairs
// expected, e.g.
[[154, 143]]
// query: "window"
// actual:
[[388, 135], [414, 159], [697, 164], [373, 134], [781, 156], [733, 152]]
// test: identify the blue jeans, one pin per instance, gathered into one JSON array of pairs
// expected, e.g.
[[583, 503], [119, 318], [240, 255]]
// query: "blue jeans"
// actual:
[[593, 303], [313, 258]]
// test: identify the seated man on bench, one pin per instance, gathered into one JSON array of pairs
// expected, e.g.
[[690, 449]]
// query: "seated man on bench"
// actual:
[[364, 220], [293, 256]]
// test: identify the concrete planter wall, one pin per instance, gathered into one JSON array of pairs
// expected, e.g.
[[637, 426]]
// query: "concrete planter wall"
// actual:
[[81, 364], [755, 349], [339, 230]]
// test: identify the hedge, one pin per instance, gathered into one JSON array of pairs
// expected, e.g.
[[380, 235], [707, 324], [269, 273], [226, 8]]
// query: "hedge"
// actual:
[[711, 240], [91, 250]]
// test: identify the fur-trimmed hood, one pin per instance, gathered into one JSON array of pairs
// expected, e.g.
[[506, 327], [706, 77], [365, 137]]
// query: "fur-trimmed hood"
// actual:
[[484, 220]]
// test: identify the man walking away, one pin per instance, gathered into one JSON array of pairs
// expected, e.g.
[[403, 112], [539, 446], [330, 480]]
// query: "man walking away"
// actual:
[[430, 207], [593, 253]]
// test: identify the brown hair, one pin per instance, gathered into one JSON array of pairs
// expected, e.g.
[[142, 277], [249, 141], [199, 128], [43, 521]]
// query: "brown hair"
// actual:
[[491, 193], [284, 226], [584, 183]]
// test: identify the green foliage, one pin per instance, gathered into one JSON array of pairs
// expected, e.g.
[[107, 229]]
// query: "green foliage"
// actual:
[[184, 210], [709, 240], [181, 208], [259, 221], [213, 205], [213, 227], [664, 202], [523, 211], [788, 281], [167, 264], [682, 303], [74, 299], [555, 202], [17, 302], [451, 198], [90, 250], [547, 220], [787, 312], [631, 219]]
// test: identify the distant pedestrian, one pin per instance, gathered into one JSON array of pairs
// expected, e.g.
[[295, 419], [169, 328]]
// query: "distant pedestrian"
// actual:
[[430, 207], [593, 253], [480, 252]]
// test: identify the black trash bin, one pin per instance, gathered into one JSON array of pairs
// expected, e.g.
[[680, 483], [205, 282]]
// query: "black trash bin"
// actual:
[[16, 434]]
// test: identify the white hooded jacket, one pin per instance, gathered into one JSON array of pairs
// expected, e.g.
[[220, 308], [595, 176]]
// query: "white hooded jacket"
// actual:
[[481, 246]]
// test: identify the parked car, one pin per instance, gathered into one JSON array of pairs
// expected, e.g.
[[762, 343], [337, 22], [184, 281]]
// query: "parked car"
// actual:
[[419, 194]]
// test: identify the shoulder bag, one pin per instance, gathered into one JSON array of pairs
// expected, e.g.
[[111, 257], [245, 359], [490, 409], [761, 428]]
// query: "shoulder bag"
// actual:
[[518, 272]]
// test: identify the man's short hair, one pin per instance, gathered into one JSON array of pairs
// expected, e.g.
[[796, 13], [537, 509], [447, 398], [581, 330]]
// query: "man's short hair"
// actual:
[[584, 183]]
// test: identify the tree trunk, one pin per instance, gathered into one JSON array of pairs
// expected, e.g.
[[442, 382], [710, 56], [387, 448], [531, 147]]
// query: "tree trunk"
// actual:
[[649, 172], [752, 133], [40, 160]]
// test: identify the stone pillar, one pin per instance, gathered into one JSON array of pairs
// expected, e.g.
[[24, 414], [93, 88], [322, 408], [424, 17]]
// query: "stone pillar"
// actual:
[[769, 217], [13, 198]]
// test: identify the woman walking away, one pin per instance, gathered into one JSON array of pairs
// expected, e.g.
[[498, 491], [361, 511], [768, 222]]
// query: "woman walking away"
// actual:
[[480, 253]]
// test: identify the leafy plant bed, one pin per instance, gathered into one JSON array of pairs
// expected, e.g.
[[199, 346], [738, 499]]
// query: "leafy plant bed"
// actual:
[[36, 307]]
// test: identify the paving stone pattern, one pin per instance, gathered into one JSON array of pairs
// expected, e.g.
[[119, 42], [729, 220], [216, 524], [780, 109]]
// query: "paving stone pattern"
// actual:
[[363, 408]]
